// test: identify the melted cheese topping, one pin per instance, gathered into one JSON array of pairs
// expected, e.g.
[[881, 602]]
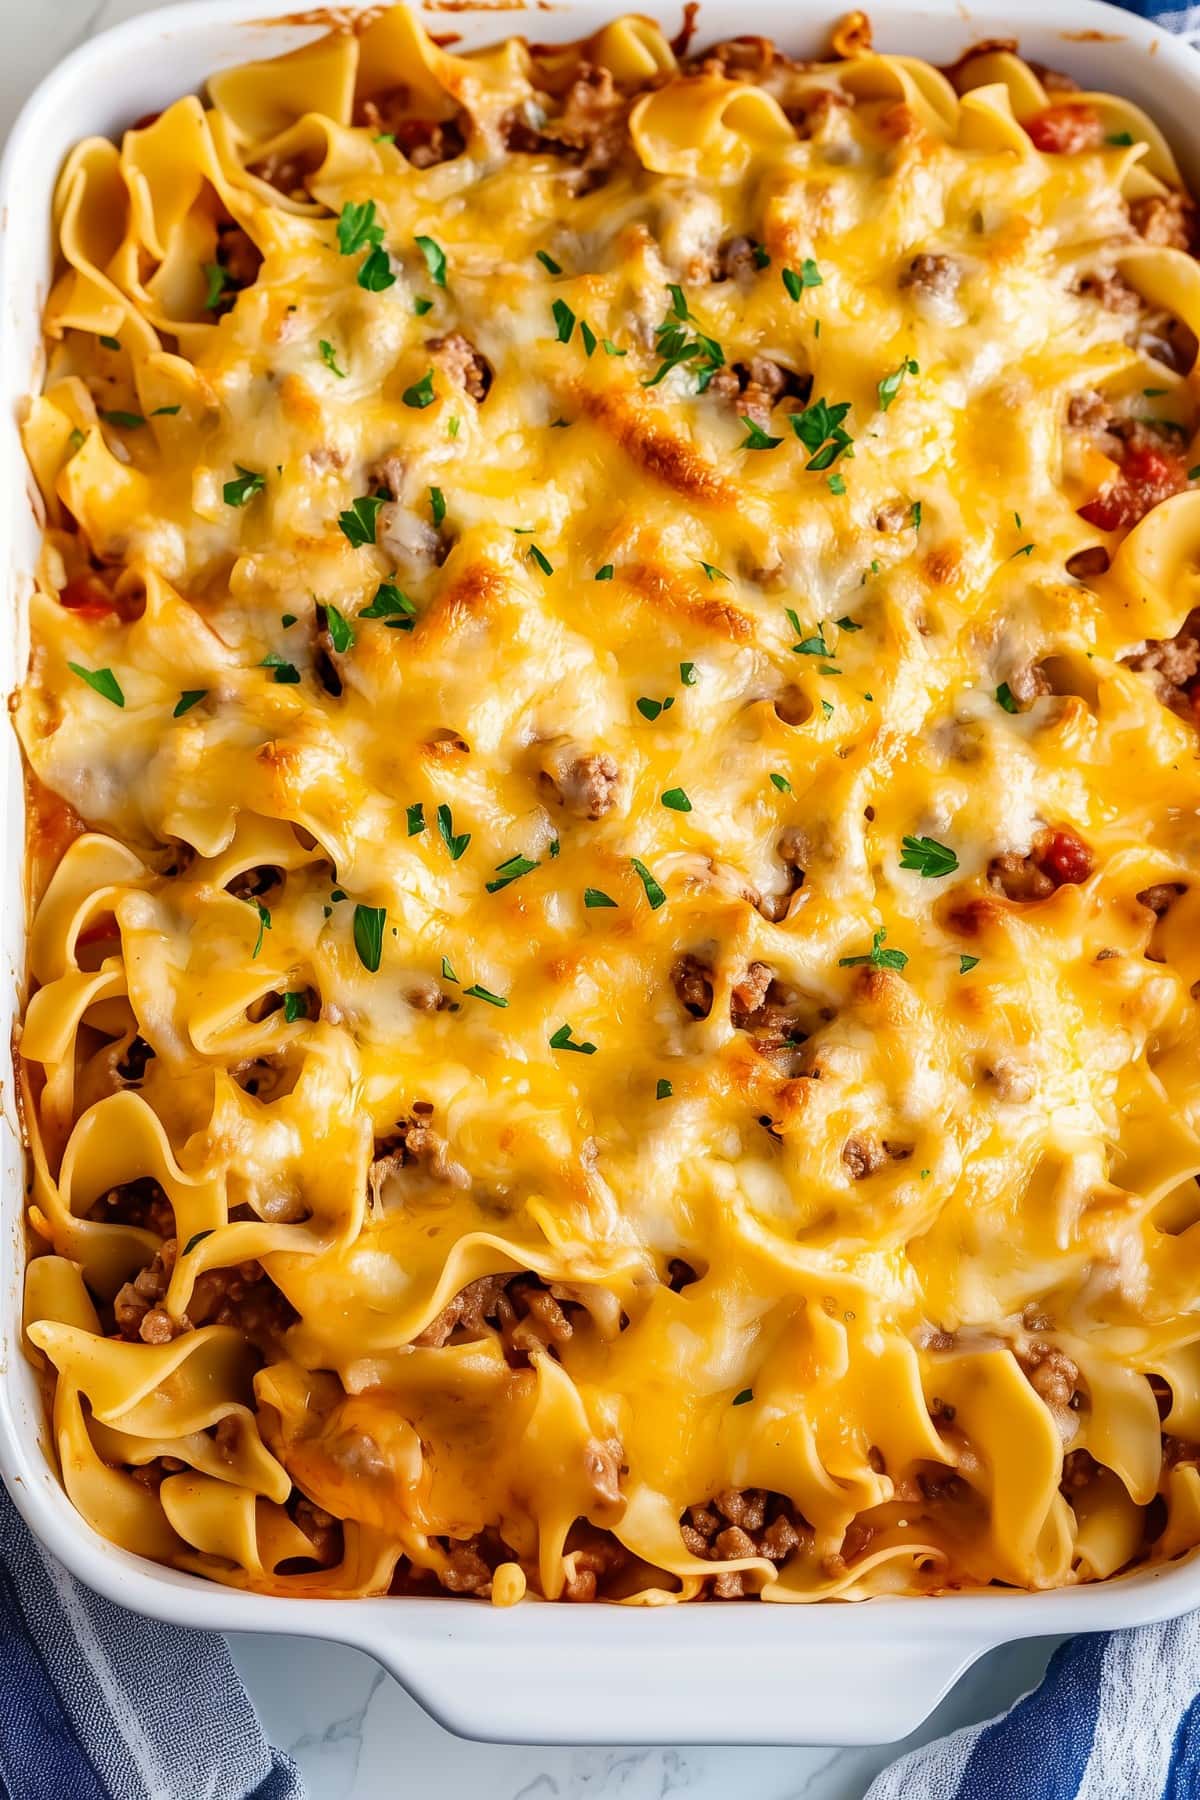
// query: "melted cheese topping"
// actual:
[[597, 905]]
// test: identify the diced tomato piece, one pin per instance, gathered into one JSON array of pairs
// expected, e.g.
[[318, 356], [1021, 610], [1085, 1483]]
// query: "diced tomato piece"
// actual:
[[85, 595], [1149, 474], [1065, 857], [1066, 130]]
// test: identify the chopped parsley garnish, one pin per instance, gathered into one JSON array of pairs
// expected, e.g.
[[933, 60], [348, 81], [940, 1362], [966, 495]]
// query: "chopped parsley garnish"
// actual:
[[286, 673], [329, 358], [676, 800], [165, 412], [889, 387], [687, 674], [383, 137], [1194, 474], [604, 574], [914, 515], [878, 958], [393, 605], [481, 993], [745, 1395], [588, 336], [846, 623], [837, 484], [264, 924], [437, 504], [808, 646], [111, 343], [368, 935], [548, 262], [650, 709], [674, 345], [447, 972], [376, 272], [197, 1237], [756, 438], [247, 484], [416, 818], [810, 276], [564, 320], [820, 429], [128, 421], [101, 681], [359, 522], [562, 1040], [712, 571], [218, 281], [445, 824], [541, 559], [966, 964], [295, 1006], [610, 349], [827, 708], [357, 227], [420, 394], [510, 871], [189, 698], [341, 635], [77, 440], [452, 425], [422, 305], [927, 857], [1122, 139], [781, 782], [663, 1089], [596, 897], [435, 260], [1025, 550], [654, 893], [1004, 698]]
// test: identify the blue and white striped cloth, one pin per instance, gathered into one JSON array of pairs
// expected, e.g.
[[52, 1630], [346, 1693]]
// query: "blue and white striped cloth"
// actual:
[[1115, 1717], [99, 1704]]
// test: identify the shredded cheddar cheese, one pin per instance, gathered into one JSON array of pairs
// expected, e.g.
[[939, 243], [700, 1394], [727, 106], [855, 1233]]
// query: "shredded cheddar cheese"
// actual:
[[617, 920]]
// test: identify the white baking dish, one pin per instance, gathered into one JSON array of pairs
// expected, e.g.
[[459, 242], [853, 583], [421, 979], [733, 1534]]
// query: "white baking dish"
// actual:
[[840, 1674]]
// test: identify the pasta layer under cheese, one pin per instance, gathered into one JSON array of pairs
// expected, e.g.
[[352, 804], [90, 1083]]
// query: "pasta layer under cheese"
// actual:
[[613, 791]]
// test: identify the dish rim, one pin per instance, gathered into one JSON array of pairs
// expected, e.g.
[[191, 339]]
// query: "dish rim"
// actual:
[[456, 1658]]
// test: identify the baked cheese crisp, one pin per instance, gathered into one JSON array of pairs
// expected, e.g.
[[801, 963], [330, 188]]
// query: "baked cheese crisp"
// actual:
[[612, 741]]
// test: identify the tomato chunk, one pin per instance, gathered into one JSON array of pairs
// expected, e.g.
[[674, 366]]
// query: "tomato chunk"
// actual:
[[1065, 857], [1149, 473], [1066, 130]]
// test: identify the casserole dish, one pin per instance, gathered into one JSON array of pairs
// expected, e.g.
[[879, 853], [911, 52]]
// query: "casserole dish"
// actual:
[[431, 1647]]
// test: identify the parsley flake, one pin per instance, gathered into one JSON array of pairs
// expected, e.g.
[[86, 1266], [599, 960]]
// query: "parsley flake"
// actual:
[[654, 892], [264, 924], [1122, 139], [101, 681], [756, 438], [286, 673], [837, 484], [422, 305], [596, 897], [295, 1006], [713, 573], [966, 964], [375, 274], [687, 674], [928, 857], [1004, 698], [357, 227], [197, 1237], [420, 394], [329, 358], [189, 698], [663, 1089], [247, 484], [588, 336], [445, 824], [393, 605], [435, 259], [128, 421], [564, 320], [821, 430], [889, 387], [810, 276], [676, 800], [745, 1395], [416, 818], [341, 635], [878, 957], [110, 343], [562, 1040], [541, 559], [368, 935], [650, 709], [914, 515], [447, 972], [360, 521], [781, 782], [510, 871], [218, 280], [481, 993], [548, 262], [604, 574], [437, 504]]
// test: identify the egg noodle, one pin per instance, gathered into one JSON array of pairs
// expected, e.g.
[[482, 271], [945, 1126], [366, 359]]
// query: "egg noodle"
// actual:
[[613, 825]]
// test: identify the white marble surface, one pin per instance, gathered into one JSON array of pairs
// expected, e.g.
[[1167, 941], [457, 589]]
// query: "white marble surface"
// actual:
[[354, 1732]]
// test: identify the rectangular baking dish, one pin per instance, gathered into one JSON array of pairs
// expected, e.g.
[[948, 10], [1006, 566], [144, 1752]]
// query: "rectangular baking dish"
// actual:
[[825, 1674]]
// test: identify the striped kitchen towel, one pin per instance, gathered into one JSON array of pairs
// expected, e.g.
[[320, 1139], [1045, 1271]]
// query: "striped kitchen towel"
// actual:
[[1115, 1717], [99, 1704]]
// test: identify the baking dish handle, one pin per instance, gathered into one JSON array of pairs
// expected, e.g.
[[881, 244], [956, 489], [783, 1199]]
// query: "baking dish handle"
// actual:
[[758, 1688]]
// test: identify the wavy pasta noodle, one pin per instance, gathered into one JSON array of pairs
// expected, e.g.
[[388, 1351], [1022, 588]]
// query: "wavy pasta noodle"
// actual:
[[612, 756]]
